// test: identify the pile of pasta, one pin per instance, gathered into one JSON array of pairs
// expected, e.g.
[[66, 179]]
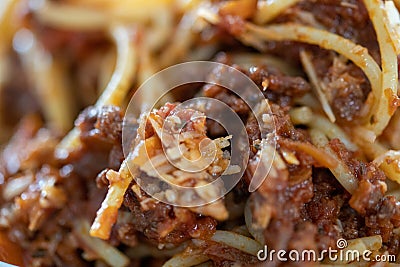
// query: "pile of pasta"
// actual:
[[148, 36]]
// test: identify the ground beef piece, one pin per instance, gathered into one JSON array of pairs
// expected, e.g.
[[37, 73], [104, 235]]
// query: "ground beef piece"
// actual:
[[286, 193], [351, 222], [349, 19], [324, 208], [381, 214], [278, 87], [284, 126], [223, 255], [304, 239], [165, 224], [233, 101], [366, 197], [109, 123], [104, 123], [50, 243], [101, 135], [287, 236], [346, 88], [329, 211], [253, 129], [126, 233], [222, 94], [287, 204], [393, 245], [281, 88]]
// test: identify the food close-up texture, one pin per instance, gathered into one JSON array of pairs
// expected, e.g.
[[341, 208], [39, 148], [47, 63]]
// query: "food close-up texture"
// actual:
[[89, 177]]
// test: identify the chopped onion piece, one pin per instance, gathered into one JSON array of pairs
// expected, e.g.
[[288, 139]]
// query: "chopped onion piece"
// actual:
[[17, 186]]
